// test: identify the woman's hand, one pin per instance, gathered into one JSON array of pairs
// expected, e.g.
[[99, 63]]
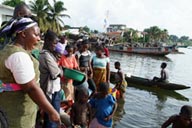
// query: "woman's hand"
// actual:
[[55, 117]]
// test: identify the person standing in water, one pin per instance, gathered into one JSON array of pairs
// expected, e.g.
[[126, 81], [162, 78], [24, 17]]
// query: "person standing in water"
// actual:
[[105, 106], [121, 83], [183, 120]]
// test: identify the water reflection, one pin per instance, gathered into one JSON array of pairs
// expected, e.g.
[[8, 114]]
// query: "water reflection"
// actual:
[[147, 107], [120, 111], [161, 94]]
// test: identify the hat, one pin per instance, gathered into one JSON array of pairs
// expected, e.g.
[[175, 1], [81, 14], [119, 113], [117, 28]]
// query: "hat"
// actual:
[[186, 111]]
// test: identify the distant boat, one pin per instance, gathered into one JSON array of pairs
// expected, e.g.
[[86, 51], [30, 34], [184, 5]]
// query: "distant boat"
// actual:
[[156, 51], [135, 81]]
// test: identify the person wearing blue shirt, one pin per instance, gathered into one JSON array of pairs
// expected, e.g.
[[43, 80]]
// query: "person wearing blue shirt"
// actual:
[[105, 106]]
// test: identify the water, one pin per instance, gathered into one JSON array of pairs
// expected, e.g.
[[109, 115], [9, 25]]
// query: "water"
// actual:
[[146, 108]]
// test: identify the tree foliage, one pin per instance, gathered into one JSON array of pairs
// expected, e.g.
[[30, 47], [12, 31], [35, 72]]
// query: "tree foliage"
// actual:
[[173, 38], [12, 3], [49, 16], [40, 8], [155, 34], [86, 29]]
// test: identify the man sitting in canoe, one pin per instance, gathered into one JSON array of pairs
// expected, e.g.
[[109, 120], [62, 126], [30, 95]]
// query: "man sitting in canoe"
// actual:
[[164, 75]]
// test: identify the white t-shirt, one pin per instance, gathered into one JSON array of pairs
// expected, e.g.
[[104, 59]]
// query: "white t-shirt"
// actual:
[[21, 65]]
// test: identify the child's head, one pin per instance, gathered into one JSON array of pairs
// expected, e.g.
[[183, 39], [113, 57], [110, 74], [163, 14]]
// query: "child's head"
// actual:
[[117, 65], [186, 114], [104, 88], [85, 45], [22, 10], [50, 40], [69, 48], [163, 65], [83, 95]]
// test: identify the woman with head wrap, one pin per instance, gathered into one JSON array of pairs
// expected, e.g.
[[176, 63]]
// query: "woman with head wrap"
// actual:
[[21, 10], [20, 75]]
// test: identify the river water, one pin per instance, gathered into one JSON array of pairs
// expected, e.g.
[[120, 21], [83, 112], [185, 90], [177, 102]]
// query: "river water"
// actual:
[[149, 108]]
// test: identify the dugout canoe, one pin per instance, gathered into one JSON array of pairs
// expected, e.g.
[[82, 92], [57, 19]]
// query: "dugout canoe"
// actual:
[[153, 51], [135, 80]]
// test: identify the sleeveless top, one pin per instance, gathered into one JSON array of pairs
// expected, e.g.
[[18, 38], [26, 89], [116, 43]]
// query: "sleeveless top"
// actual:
[[84, 58], [19, 108]]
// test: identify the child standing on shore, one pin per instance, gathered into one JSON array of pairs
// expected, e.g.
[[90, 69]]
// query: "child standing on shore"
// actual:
[[183, 120], [121, 83], [105, 106], [81, 110]]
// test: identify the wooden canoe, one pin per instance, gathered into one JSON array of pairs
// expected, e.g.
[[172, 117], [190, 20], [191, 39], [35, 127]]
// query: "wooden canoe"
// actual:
[[154, 51], [134, 81]]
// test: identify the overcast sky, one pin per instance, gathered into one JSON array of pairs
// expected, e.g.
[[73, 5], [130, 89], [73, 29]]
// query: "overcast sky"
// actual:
[[173, 15]]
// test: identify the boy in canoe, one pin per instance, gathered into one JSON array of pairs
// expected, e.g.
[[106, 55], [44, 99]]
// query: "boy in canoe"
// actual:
[[183, 120], [164, 75]]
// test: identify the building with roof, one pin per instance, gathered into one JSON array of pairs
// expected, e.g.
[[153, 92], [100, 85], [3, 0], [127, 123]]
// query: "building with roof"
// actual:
[[6, 13], [116, 28]]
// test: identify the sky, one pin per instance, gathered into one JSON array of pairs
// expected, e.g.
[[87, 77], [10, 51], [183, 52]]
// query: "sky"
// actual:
[[173, 15]]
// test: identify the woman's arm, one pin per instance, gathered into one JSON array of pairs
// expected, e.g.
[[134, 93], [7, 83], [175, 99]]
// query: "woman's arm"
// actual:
[[37, 95], [90, 70]]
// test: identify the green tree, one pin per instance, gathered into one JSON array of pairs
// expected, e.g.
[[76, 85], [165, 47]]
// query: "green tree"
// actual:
[[164, 35], [155, 34], [55, 15], [40, 8], [95, 31], [12, 3], [174, 38], [184, 38], [49, 16], [86, 29]]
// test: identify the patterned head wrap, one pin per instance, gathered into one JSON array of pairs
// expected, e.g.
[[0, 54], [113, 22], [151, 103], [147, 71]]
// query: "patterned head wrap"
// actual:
[[18, 25]]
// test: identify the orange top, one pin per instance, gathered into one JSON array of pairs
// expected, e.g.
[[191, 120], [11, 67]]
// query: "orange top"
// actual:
[[68, 62]]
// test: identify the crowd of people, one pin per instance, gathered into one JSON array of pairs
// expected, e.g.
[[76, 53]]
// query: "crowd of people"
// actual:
[[36, 82]]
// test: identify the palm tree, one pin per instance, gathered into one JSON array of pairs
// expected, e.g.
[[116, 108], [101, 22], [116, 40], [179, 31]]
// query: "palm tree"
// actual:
[[12, 3], [55, 15], [40, 8], [154, 33], [164, 35]]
